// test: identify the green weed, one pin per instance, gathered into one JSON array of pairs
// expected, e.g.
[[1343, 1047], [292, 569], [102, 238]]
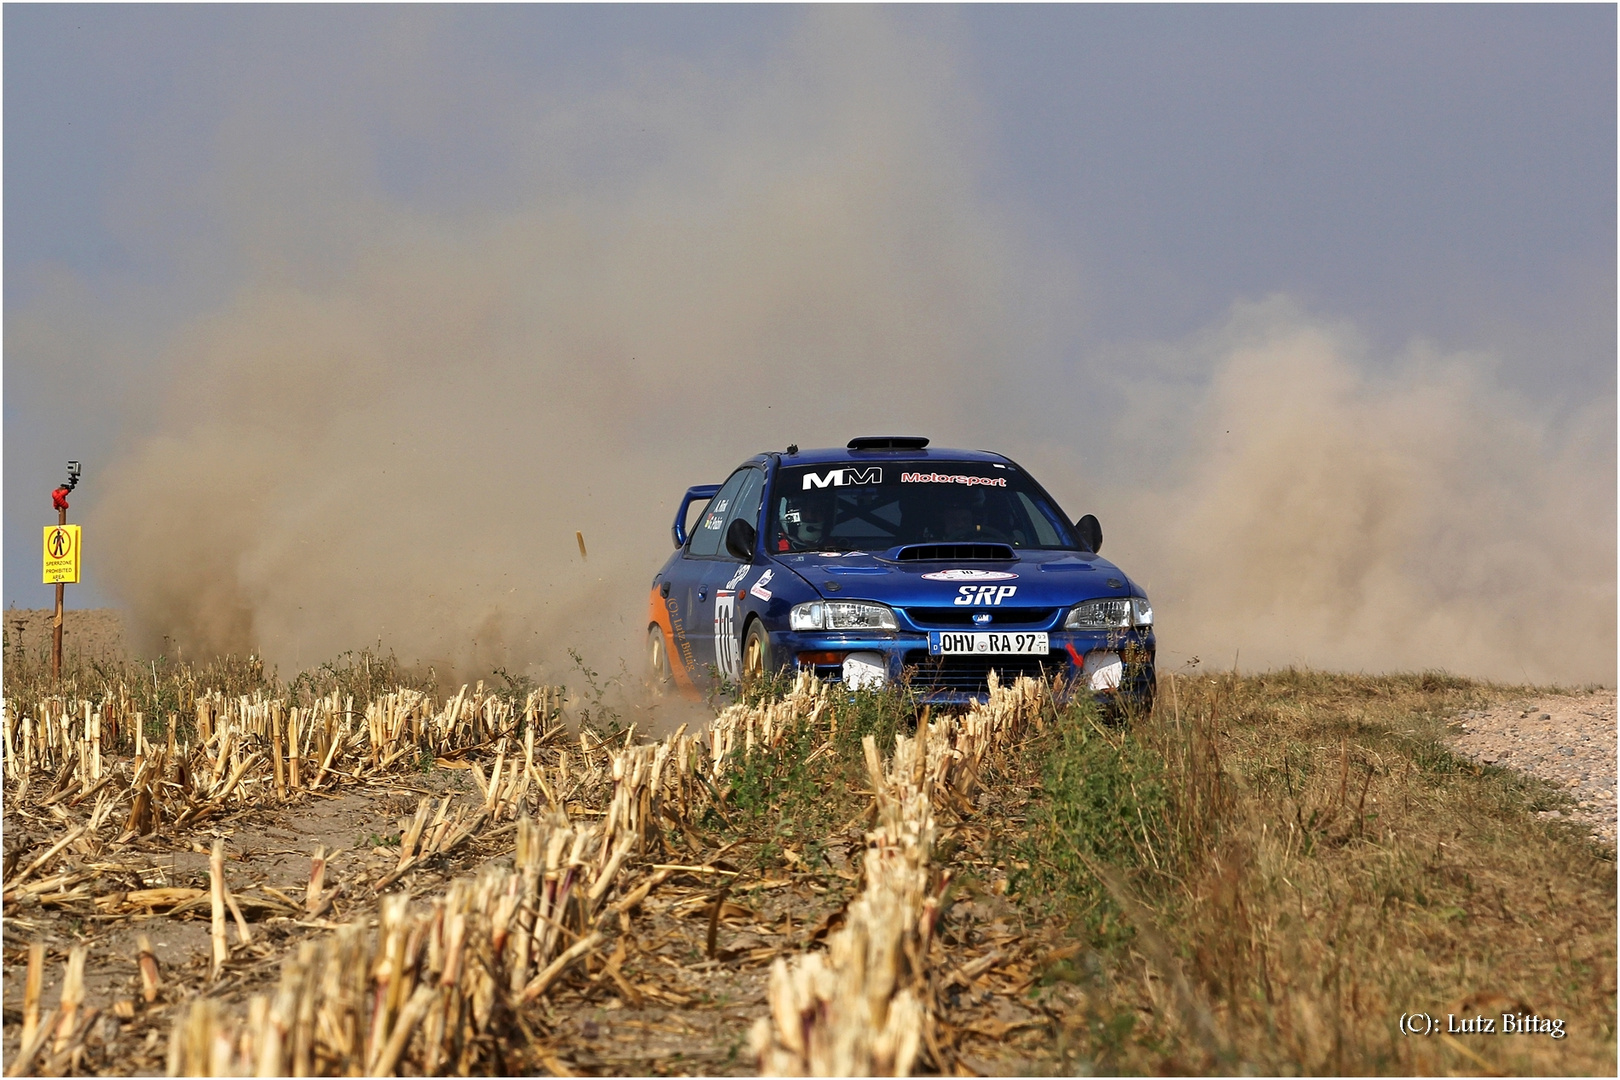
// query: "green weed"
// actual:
[[595, 714], [1104, 799]]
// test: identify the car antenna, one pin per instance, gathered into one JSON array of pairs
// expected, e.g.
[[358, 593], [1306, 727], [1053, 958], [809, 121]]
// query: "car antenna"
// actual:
[[793, 448]]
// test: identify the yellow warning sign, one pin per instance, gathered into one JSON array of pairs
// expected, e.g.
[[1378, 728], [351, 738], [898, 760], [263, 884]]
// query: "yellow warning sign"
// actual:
[[61, 554]]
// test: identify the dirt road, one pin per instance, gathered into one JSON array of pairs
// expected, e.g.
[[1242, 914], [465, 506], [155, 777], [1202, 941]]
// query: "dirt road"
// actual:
[[1567, 739]]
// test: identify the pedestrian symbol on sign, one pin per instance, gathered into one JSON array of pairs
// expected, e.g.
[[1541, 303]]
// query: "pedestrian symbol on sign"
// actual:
[[60, 544]]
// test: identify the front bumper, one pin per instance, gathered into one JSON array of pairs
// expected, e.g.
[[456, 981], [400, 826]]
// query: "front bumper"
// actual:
[[1114, 667]]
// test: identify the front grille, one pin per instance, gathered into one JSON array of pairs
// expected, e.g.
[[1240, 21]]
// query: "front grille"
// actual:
[[971, 674], [955, 553], [958, 618]]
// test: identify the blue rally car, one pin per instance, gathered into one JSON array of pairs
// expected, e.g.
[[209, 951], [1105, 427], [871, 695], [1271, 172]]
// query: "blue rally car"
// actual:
[[889, 562]]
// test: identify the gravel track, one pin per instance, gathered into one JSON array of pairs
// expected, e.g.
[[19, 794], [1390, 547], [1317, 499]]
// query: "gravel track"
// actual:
[[1567, 739]]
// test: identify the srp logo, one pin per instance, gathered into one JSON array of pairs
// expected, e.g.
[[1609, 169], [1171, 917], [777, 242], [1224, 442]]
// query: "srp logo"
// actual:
[[983, 595]]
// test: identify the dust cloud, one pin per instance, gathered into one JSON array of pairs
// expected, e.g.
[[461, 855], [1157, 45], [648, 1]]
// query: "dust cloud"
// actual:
[[391, 429], [1332, 509]]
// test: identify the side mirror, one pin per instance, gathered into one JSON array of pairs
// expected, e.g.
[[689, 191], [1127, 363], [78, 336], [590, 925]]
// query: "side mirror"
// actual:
[[740, 538], [1090, 533]]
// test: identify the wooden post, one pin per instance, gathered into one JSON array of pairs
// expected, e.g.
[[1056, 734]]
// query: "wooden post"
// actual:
[[56, 625]]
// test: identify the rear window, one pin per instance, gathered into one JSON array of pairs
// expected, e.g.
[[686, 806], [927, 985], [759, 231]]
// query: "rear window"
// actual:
[[895, 503]]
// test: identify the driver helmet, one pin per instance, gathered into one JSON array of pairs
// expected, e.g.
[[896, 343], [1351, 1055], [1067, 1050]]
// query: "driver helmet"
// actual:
[[958, 520], [804, 522]]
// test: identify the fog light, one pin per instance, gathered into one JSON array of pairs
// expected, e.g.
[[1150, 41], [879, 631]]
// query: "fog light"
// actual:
[[865, 670], [1103, 670]]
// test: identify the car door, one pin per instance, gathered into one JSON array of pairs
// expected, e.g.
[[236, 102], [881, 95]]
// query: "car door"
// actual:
[[691, 587], [726, 573]]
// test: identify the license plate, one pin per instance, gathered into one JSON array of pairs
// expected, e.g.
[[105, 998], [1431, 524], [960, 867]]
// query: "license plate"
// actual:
[[945, 643]]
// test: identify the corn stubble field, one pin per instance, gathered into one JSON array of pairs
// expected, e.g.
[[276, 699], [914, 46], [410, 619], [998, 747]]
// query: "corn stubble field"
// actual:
[[210, 871]]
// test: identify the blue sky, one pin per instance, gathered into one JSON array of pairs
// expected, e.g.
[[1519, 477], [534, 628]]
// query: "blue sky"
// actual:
[[1425, 181]]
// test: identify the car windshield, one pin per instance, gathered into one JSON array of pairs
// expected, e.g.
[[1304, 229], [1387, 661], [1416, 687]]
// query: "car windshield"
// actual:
[[880, 506]]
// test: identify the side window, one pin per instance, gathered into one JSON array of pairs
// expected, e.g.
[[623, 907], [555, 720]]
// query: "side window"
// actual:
[[746, 504], [1045, 534], [711, 527]]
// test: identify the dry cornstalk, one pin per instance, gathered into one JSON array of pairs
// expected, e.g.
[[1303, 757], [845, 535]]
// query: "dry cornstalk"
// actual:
[[317, 882], [331, 752], [514, 934], [243, 934], [147, 960], [432, 980], [294, 754], [145, 810], [50, 853], [276, 751], [856, 1010], [23, 1063], [216, 885], [34, 1034], [542, 982], [71, 740], [72, 998], [409, 1018], [31, 987], [411, 834]]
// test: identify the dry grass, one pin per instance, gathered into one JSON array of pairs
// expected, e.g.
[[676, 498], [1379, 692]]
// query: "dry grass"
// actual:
[[1260, 877], [1311, 863]]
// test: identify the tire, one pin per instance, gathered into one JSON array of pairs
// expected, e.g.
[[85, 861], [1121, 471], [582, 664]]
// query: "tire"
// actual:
[[658, 673], [756, 653]]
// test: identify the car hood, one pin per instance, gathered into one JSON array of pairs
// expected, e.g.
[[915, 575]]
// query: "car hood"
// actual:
[[1041, 578]]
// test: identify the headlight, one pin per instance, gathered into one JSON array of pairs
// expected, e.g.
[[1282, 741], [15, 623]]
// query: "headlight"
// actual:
[[1099, 615], [1110, 614], [841, 615]]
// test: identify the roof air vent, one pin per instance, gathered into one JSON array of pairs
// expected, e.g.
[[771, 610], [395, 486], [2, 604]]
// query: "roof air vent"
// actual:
[[888, 442]]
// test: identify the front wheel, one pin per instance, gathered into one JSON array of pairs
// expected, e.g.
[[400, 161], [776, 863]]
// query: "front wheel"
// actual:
[[756, 653], [658, 674]]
